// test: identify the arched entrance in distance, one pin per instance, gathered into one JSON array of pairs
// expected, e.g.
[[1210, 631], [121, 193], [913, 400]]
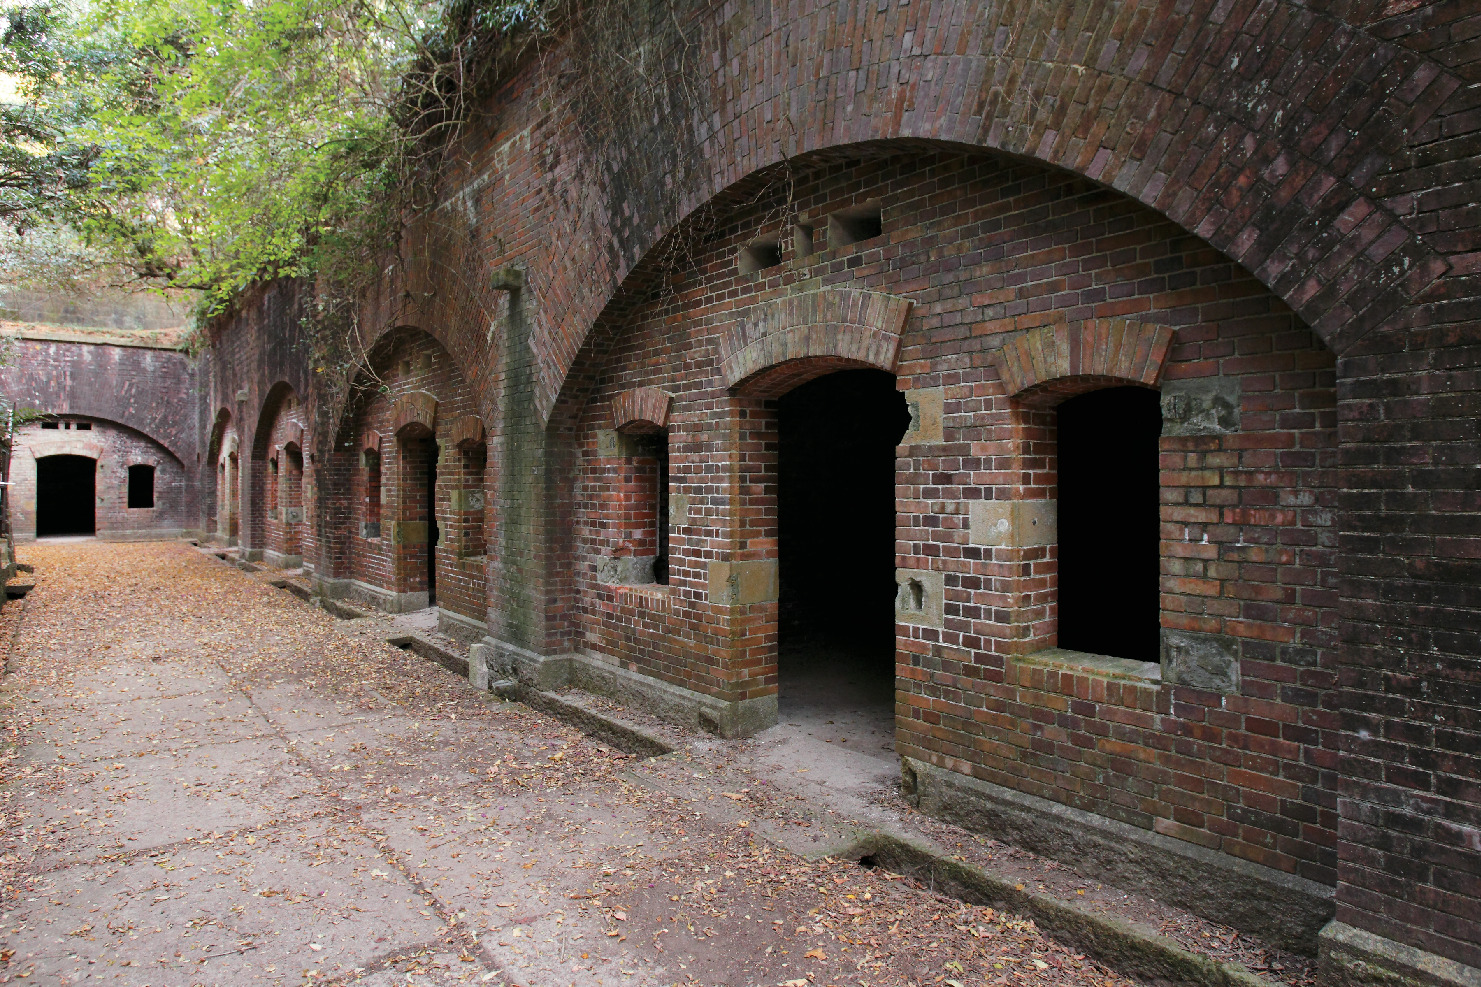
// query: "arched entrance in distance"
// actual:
[[66, 499]]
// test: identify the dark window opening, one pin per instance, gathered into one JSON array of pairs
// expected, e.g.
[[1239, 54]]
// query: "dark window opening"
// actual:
[[837, 437], [373, 491], [661, 483], [84, 426], [759, 256], [434, 535], [1109, 524], [56, 425], [66, 492], [141, 486], [854, 225]]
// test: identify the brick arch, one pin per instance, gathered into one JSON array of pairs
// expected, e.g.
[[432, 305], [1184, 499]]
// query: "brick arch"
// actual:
[[1270, 164], [66, 446], [789, 340], [267, 417], [416, 412], [641, 409], [467, 431], [1043, 367]]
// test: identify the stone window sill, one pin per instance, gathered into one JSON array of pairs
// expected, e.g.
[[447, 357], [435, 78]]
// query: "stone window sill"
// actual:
[[1102, 665]]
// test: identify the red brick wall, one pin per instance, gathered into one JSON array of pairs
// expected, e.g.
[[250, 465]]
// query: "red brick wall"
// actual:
[[410, 362], [987, 249], [1325, 151]]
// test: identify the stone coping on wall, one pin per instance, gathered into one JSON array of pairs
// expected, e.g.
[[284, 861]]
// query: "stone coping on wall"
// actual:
[[1103, 665], [154, 339]]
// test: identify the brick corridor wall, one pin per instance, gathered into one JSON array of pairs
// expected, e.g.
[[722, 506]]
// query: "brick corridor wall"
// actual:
[[412, 362], [115, 448], [1312, 170], [987, 249]]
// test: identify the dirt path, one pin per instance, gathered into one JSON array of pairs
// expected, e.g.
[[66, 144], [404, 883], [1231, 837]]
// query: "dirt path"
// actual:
[[207, 781]]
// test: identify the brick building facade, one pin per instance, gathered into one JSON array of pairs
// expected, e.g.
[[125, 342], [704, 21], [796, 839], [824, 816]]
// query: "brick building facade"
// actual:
[[1039, 224], [124, 405]]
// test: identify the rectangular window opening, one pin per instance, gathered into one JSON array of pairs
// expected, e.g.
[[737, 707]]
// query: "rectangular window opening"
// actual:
[[854, 225], [84, 426], [759, 256], [56, 425], [802, 240], [141, 486]]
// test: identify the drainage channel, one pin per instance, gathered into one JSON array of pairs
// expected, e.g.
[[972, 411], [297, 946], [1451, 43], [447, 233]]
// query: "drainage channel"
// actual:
[[1135, 950]]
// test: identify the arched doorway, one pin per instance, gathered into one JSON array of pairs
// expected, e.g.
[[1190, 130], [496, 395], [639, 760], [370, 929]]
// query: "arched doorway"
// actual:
[[66, 495], [417, 530], [836, 443]]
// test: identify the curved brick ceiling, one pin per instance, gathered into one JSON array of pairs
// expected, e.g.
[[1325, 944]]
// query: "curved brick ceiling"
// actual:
[[1257, 127]]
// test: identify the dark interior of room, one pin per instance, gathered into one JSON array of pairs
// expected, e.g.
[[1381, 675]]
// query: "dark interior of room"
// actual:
[[65, 496], [836, 508], [1108, 523]]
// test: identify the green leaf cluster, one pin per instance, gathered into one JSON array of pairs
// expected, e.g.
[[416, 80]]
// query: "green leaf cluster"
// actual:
[[211, 144]]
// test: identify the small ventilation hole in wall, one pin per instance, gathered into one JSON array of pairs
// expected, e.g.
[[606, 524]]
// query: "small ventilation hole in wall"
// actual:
[[854, 225], [759, 256], [802, 240], [56, 425], [917, 593], [84, 426]]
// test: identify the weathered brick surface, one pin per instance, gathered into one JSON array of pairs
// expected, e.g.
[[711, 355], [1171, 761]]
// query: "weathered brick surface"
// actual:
[[1288, 189], [115, 448]]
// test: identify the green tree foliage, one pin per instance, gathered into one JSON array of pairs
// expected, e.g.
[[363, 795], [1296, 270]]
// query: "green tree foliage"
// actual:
[[209, 144]]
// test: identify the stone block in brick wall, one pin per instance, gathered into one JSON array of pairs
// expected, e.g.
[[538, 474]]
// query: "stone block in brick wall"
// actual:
[[1014, 523], [465, 499], [920, 597], [370, 529], [1207, 406], [927, 410], [1200, 661], [734, 584], [678, 508], [612, 444], [628, 570], [409, 532], [295, 515]]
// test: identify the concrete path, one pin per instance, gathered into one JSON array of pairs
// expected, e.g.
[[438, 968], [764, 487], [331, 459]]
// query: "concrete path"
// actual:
[[208, 781]]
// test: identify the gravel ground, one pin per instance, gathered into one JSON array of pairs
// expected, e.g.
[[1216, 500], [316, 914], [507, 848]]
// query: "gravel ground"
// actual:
[[207, 781]]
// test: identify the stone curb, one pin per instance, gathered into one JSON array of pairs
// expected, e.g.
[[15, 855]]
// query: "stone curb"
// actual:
[[429, 649], [626, 737], [302, 592], [343, 610], [1132, 949]]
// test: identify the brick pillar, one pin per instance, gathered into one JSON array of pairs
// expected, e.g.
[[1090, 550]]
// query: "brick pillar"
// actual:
[[1409, 856]]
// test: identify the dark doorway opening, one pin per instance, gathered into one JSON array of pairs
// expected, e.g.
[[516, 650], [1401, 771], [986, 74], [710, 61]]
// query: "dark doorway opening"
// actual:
[[836, 545], [66, 495], [1108, 523], [434, 534]]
